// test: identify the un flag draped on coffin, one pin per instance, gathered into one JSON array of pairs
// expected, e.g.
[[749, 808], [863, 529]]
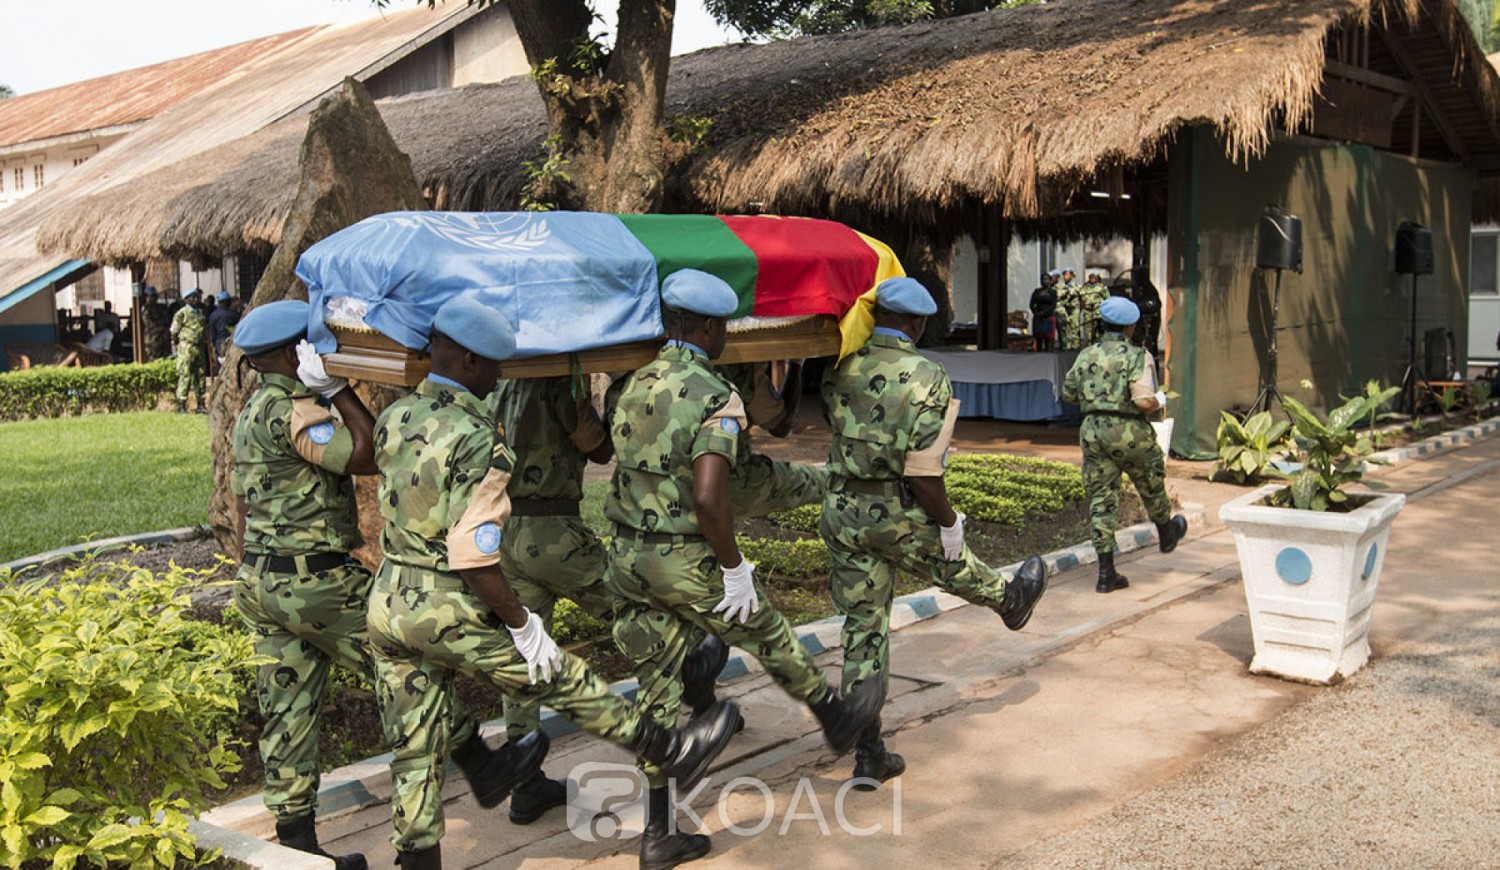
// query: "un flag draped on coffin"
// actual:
[[574, 281]]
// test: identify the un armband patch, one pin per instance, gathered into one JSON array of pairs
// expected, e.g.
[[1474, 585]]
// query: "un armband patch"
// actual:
[[487, 539], [730, 425], [322, 433]]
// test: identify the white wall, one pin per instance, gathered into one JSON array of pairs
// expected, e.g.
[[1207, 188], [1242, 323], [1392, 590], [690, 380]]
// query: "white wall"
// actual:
[[56, 161], [487, 49]]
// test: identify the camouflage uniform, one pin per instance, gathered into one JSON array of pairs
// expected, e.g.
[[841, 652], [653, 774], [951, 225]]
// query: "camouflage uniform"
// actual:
[[547, 552], [673, 410], [1115, 436], [892, 412], [1090, 297], [758, 484], [1070, 309], [290, 456], [444, 469], [192, 361], [157, 342]]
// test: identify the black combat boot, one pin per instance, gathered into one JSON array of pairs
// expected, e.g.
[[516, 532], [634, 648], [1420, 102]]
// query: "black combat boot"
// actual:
[[202, 406], [844, 719], [661, 849], [873, 762], [534, 797], [1022, 593], [1170, 532], [301, 834], [699, 670], [492, 773], [684, 754], [427, 859], [1109, 578], [181, 406]]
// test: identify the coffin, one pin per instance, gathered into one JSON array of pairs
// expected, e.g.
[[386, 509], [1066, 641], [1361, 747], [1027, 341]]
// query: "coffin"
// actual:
[[582, 288]]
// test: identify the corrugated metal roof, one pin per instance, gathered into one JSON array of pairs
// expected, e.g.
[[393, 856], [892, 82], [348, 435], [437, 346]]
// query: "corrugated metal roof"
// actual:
[[286, 79], [129, 96]]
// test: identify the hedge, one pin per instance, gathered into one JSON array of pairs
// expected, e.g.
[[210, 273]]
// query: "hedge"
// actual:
[[56, 391]]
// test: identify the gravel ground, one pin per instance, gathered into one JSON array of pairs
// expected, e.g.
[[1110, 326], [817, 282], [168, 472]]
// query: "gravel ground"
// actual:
[[1397, 767]]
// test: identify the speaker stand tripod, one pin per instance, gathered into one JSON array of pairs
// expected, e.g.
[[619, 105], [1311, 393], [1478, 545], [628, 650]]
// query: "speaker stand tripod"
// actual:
[[1414, 382], [1268, 390]]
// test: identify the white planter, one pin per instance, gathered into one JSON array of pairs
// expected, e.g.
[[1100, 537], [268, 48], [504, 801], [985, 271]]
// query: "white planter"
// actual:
[[1164, 435], [1310, 581]]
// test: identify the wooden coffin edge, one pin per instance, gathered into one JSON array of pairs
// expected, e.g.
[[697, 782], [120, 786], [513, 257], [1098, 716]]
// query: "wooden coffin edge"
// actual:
[[369, 356]]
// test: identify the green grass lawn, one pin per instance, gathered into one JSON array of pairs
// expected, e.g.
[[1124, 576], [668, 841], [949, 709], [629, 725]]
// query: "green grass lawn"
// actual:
[[68, 480]]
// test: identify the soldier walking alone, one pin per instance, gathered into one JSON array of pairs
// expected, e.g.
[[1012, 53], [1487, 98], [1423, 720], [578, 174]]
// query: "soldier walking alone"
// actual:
[[1114, 383]]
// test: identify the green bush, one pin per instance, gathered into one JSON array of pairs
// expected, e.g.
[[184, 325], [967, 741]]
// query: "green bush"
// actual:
[[800, 519], [55, 391], [571, 623], [116, 713], [804, 558]]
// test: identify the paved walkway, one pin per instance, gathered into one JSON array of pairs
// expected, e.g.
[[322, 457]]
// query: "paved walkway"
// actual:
[[1117, 730]]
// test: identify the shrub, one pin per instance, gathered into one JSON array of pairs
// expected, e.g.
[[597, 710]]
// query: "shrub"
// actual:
[[1332, 454], [571, 623], [115, 718], [800, 519], [55, 391], [1246, 449], [804, 558]]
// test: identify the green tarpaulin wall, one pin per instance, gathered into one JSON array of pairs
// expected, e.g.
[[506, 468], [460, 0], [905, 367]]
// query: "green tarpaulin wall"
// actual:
[[1345, 319]]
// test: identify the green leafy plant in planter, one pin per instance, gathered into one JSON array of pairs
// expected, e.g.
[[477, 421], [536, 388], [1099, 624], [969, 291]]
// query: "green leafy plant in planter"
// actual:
[[1247, 449], [1332, 454]]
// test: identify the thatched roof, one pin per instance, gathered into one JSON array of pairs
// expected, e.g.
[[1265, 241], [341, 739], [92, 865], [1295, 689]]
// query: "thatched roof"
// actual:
[[289, 75], [1000, 108]]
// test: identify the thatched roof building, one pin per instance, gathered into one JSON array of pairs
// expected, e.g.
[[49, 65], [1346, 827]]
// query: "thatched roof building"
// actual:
[[1017, 109], [285, 77]]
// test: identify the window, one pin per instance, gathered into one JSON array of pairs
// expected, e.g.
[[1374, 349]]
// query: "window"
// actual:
[[1484, 263], [38, 175], [20, 178]]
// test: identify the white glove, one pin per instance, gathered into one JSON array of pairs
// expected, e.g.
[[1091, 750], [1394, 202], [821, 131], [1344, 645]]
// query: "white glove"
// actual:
[[740, 600], [1161, 399], [953, 539], [311, 372], [542, 656]]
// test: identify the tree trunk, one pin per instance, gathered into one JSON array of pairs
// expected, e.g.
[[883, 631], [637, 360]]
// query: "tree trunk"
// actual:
[[606, 123], [351, 169]]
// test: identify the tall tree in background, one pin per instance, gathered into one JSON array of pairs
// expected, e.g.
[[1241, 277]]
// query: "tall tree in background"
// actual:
[[5, 92]]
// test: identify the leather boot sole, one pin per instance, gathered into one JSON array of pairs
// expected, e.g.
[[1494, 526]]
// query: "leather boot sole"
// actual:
[[1033, 579], [1105, 587], [893, 766]]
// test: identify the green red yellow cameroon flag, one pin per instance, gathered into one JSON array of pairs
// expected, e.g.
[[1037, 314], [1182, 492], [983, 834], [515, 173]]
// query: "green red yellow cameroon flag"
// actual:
[[778, 266]]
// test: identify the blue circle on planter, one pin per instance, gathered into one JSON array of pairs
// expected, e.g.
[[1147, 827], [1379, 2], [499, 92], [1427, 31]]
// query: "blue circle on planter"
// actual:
[[1370, 559], [1294, 566]]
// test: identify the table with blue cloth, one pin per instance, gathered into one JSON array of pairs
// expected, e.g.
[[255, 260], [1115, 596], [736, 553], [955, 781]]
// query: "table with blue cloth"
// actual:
[[1007, 385]]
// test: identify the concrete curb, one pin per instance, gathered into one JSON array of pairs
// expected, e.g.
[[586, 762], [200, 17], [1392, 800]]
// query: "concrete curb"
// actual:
[[1438, 443], [104, 545], [253, 851], [366, 783]]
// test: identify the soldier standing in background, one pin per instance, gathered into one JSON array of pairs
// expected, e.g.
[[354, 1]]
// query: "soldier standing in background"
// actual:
[[188, 342], [1070, 308], [892, 414], [1114, 383], [441, 597], [1044, 314], [676, 429], [1091, 296]]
